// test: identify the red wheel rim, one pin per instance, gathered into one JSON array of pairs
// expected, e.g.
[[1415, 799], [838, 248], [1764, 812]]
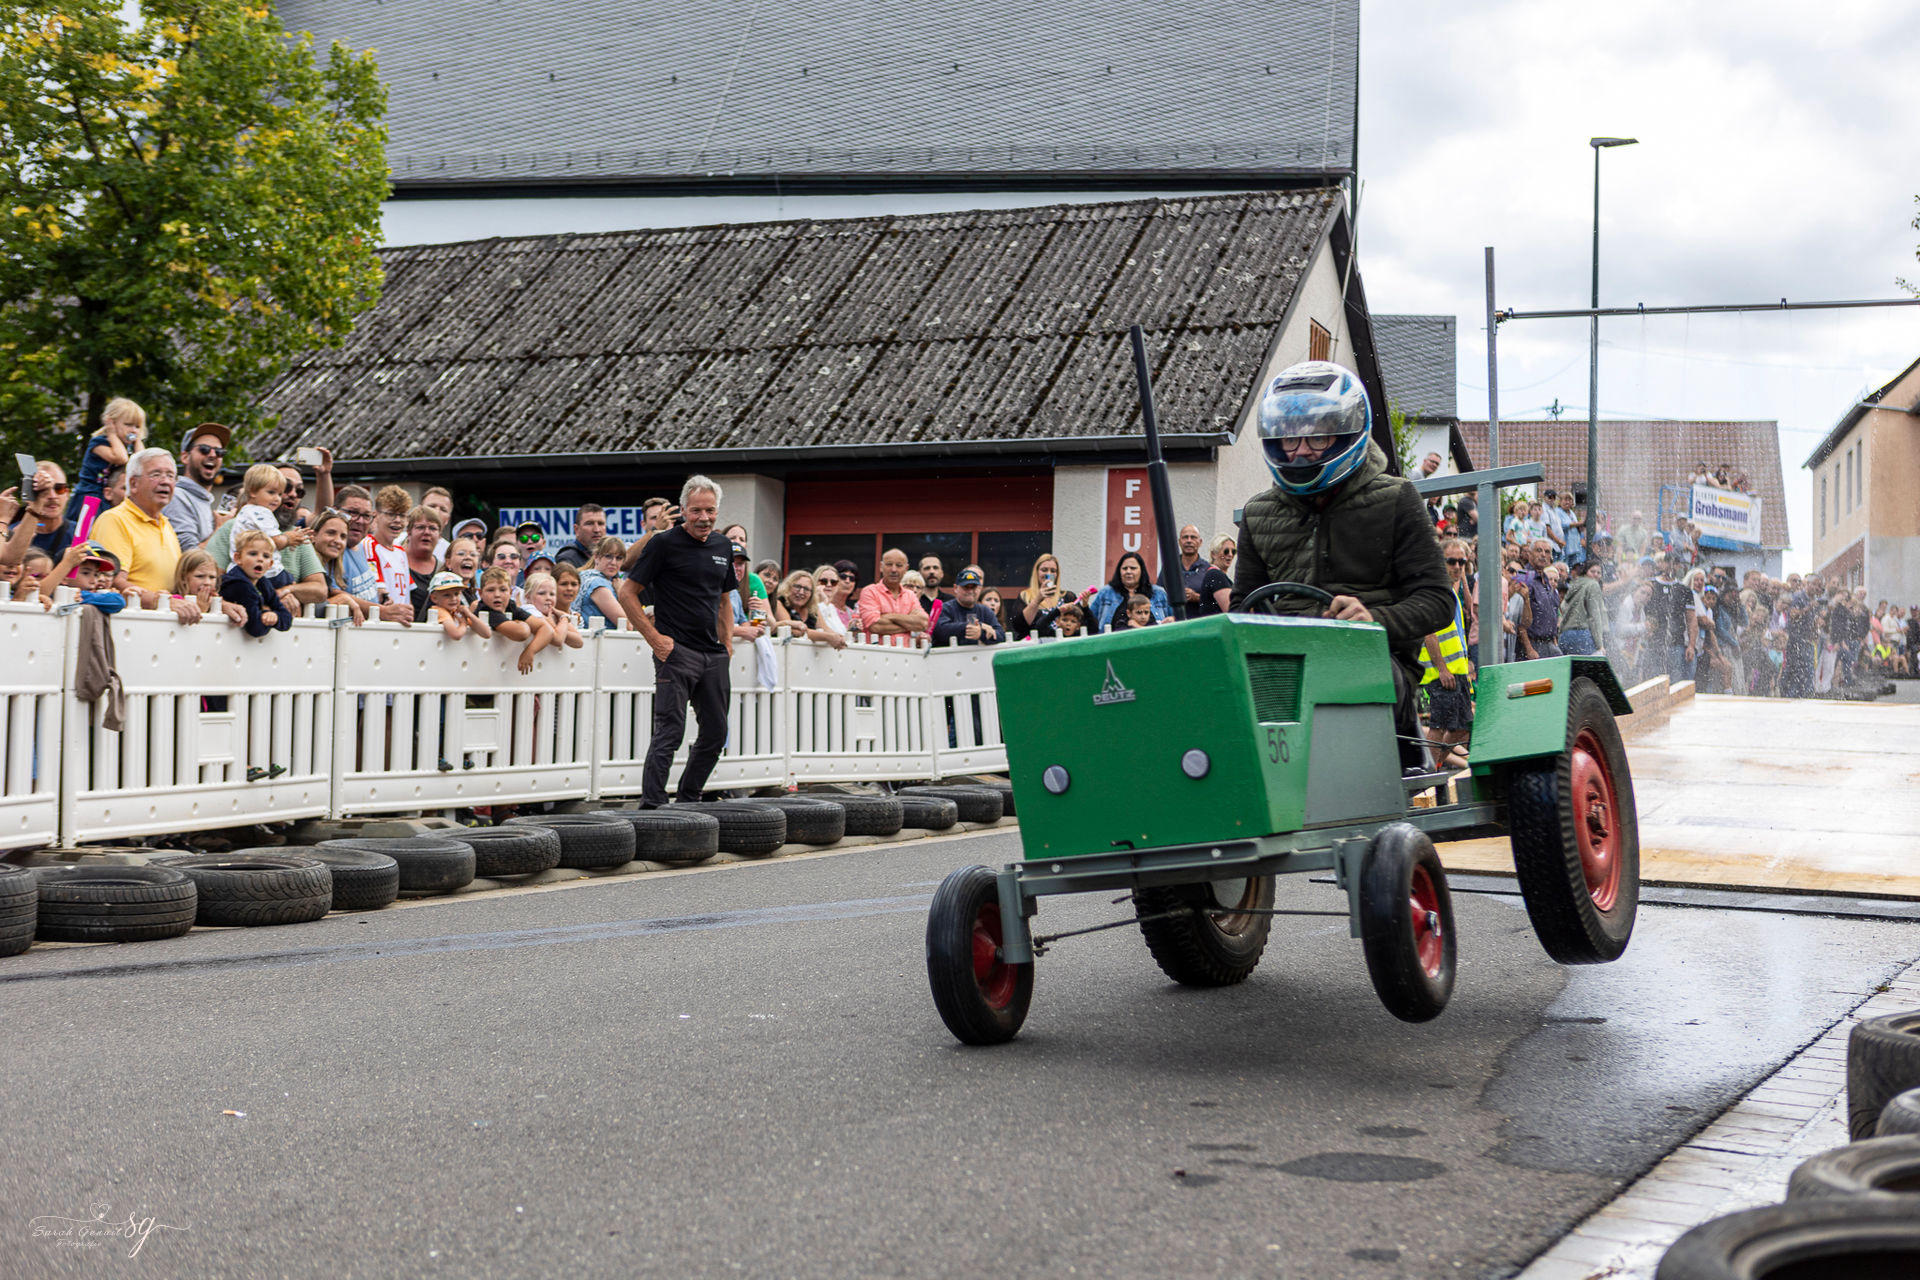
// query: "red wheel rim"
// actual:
[[1596, 820], [991, 974], [1429, 934]]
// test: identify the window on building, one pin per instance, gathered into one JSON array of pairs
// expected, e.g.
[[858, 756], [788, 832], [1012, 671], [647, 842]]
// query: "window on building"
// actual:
[[810, 551], [1823, 506], [1319, 342], [1840, 492], [1860, 473], [1007, 558]]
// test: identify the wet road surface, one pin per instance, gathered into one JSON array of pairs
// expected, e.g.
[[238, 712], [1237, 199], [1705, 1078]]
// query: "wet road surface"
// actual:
[[739, 1071]]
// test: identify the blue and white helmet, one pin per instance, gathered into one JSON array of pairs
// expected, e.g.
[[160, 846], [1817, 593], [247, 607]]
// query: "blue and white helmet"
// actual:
[[1320, 401]]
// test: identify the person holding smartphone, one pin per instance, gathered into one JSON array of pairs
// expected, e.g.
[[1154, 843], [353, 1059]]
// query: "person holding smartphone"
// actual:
[[32, 516], [191, 513], [1038, 610]]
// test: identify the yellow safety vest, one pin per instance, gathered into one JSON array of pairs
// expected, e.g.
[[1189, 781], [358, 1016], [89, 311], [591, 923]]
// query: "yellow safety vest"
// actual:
[[1453, 649]]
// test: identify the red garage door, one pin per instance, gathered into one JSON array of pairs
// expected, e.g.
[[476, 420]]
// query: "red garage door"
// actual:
[[1001, 523]]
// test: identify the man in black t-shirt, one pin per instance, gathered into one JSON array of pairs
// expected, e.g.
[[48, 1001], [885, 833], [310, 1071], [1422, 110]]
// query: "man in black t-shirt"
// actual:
[[686, 572]]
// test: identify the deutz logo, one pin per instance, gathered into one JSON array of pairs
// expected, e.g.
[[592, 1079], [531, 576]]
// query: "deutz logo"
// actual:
[[1112, 691]]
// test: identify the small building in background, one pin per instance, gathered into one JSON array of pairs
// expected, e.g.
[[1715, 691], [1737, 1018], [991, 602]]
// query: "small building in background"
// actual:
[[1419, 362], [1866, 494]]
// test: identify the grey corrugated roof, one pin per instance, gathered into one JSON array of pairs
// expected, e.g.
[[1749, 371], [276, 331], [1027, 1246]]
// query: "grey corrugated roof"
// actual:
[[1637, 458], [1418, 362], [893, 331], [504, 91]]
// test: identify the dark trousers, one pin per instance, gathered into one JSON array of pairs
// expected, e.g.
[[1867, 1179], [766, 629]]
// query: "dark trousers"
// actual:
[[1406, 718], [704, 680]]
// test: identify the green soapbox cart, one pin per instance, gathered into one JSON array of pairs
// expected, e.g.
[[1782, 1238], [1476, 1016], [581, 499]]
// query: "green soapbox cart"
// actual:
[[1188, 765]]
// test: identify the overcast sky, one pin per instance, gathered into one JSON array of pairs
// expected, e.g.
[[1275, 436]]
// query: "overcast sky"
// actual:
[[1779, 156]]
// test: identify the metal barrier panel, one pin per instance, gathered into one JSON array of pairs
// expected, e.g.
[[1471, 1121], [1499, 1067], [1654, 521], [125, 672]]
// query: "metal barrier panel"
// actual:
[[34, 642], [963, 713], [424, 722], [221, 729], [856, 714], [755, 753]]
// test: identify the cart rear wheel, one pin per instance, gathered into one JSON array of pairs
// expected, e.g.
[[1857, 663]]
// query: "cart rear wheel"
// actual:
[[1406, 923], [1576, 838], [1215, 940], [981, 998]]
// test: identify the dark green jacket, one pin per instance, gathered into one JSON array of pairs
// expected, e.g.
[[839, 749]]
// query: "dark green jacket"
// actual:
[[1370, 539]]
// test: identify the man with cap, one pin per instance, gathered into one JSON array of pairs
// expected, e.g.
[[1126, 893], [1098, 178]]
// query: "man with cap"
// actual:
[[963, 619], [191, 511], [532, 539]]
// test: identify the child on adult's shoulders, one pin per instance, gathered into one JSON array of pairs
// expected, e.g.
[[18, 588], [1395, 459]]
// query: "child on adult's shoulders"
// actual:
[[251, 585], [265, 485]]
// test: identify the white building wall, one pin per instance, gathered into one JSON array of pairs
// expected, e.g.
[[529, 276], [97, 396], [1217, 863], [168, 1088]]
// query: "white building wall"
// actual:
[[1893, 570], [760, 503]]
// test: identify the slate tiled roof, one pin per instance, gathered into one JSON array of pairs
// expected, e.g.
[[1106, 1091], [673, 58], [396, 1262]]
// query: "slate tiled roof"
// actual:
[[1417, 361], [898, 331], [1636, 458], [495, 91]]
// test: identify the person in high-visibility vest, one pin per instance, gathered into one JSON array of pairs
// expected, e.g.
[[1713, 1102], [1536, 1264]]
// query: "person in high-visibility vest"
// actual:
[[1446, 673]]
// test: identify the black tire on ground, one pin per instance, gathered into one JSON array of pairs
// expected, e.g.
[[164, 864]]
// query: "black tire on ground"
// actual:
[[510, 851], [976, 804], [113, 904], [748, 830], [1878, 1168], [981, 998], [810, 820], [928, 813], [17, 885], [19, 909], [1854, 1238], [1406, 923], [665, 836], [1883, 1060], [588, 841], [1005, 789], [871, 815], [256, 886], [1576, 837], [1900, 1115], [427, 865], [361, 881], [1201, 946]]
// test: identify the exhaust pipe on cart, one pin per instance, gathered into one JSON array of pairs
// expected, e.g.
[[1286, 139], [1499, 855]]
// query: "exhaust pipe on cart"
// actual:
[[1158, 485]]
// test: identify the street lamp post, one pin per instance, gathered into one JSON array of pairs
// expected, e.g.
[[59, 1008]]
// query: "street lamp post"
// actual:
[[1593, 352]]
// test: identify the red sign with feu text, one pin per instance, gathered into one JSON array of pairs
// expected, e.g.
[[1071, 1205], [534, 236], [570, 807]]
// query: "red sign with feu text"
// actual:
[[1130, 525]]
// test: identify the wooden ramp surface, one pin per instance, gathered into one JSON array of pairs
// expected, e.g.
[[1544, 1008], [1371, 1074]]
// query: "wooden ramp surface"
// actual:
[[1770, 794]]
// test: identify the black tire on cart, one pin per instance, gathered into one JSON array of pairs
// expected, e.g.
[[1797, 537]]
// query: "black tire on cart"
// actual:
[[673, 839], [510, 851], [1883, 1060], [975, 804], [113, 904], [871, 815], [427, 864], [1406, 923], [928, 813], [19, 909], [361, 881], [1576, 837], [1215, 939], [1900, 1115], [810, 820], [1877, 1168], [981, 998], [588, 841], [1856, 1238], [250, 887], [746, 830]]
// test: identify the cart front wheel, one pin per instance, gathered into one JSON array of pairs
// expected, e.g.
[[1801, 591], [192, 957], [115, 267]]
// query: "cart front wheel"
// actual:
[[1207, 935], [1576, 838], [1406, 923], [981, 998]]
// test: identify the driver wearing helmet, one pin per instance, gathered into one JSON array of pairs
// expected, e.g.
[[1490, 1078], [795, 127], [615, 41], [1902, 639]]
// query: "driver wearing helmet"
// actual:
[[1337, 519]]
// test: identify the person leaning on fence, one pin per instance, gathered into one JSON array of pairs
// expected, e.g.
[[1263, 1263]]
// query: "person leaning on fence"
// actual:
[[966, 619], [831, 593], [543, 598], [1130, 577], [1037, 611], [1136, 613], [198, 579], [598, 596], [447, 599], [889, 608], [250, 584], [687, 572], [140, 538], [797, 612], [509, 621]]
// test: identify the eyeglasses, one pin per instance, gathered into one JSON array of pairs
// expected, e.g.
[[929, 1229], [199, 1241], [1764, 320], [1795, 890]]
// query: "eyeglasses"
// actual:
[[211, 450], [1462, 563], [1228, 553], [829, 582], [57, 488], [359, 517]]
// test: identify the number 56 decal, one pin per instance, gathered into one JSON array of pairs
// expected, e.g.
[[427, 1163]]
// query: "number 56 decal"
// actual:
[[1279, 750]]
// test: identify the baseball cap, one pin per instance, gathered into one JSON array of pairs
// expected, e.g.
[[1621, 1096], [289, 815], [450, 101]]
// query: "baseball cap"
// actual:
[[739, 552], [529, 526], [95, 552], [967, 578], [471, 522], [444, 581], [214, 429], [537, 558]]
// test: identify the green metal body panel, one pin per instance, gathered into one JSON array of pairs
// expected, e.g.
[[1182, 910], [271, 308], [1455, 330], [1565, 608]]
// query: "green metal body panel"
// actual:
[[1119, 712], [1508, 728]]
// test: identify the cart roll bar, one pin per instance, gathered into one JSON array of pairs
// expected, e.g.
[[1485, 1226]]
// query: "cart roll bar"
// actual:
[[1485, 486], [1157, 484]]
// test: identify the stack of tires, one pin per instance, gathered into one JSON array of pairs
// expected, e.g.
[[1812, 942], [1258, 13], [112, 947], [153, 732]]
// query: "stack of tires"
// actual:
[[1852, 1212], [972, 804]]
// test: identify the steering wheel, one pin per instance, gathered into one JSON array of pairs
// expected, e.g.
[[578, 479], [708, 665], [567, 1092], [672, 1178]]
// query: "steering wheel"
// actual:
[[1274, 590]]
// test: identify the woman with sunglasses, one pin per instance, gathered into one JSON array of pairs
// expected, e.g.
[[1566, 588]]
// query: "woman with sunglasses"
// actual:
[[832, 587], [38, 521], [1216, 588]]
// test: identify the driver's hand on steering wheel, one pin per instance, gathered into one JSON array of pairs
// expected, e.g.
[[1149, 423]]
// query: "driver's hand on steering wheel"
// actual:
[[1347, 609]]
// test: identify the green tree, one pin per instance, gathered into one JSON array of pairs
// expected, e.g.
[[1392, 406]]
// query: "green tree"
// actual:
[[188, 203], [1406, 437]]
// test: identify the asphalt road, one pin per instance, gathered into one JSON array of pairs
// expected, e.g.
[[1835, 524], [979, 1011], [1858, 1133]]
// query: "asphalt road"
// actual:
[[739, 1071]]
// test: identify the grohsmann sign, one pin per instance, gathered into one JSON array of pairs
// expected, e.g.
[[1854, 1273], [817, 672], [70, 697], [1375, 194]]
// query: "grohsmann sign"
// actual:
[[1721, 513]]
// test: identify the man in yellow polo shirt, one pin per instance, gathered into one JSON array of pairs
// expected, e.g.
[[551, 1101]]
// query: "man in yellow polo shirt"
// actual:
[[137, 532]]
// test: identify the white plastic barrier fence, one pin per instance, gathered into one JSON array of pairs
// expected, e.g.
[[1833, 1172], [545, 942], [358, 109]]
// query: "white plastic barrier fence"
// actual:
[[221, 729], [35, 646]]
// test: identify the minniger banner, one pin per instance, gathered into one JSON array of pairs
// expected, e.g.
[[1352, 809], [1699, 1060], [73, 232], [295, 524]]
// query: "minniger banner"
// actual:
[[1722, 513]]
